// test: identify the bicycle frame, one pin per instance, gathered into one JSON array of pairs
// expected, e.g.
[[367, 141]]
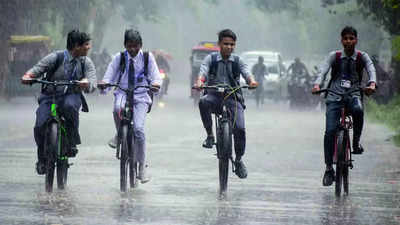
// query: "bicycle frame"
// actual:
[[346, 123]]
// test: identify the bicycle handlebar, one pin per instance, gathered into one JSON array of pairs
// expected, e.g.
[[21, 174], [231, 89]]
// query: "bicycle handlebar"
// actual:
[[222, 86], [337, 93], [104, 86], [56, 83]]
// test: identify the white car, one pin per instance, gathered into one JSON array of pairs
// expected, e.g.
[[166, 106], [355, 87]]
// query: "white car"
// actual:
[[274, 83]]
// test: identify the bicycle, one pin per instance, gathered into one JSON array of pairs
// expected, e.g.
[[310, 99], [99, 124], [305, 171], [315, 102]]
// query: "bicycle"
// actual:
[[223, 128], [56, 142], [342, 150], [125, 141]]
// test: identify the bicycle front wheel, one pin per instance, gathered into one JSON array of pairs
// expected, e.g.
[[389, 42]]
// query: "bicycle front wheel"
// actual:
[[51, 146], [132, 166], [124, 158], [340, 164], [224, 154], [346, 166]]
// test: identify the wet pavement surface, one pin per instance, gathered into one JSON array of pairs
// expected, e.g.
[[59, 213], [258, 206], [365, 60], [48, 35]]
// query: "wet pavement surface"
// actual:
[[284, 158]]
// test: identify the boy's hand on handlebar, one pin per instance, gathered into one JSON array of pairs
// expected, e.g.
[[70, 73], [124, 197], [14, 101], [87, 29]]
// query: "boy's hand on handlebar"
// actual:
[[27, 78], [252, 83], [315, 89], [199, 83], [155, 87], [101, 85], [370, 89], [84, 83]]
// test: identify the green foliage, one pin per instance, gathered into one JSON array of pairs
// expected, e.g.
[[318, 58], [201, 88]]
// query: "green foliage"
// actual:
[[388, 114], [396, 47]]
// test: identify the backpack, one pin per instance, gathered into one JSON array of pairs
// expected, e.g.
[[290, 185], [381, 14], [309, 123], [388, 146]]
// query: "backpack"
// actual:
[[235, 72], [336, 67], [52, 70], [122, 67]]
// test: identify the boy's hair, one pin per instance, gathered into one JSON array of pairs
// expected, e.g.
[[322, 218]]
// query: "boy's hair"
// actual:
[[226, 33], [349, 30], [132, 35], [76, 38]]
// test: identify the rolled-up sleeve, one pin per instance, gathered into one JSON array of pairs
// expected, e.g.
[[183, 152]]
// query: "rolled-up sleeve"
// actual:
[[44, 65], [324, 68], [205, 66], [244, 69], [369, 67], [111, 73], [154, 73], [90, 73]]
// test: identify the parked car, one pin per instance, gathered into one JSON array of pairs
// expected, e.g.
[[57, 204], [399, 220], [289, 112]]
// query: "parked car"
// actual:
[[275, 84]]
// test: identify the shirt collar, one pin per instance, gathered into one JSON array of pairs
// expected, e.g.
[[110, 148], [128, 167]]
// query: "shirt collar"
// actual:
[[69, 56], [219, 57], [354, 56], [136, 57]]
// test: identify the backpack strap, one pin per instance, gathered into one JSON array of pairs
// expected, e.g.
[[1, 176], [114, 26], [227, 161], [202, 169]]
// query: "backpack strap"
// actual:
[[53, 69], [236, 68], [122, 65], [359, 66], [146, 63], [214, 64]]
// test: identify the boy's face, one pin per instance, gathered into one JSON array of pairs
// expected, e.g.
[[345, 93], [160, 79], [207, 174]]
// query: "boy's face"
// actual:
[[349, 42], [226, 45], [132, 48], [84, 49]]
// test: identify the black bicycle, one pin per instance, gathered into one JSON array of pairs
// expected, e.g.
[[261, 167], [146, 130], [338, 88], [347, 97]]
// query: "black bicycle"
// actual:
[[223, 127], [57, 147], [342, 151], [125, 141]]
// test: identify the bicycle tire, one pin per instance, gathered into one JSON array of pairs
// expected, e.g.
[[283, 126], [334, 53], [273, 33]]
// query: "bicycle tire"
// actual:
[[132, 165], [62, 173], [225, 152], [51, 145], [124, 158], [346, 166], [340, 164]]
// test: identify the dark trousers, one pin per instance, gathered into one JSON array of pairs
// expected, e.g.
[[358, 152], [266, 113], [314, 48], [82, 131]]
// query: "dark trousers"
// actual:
[[333, 114], [212, 103], [69, 106]]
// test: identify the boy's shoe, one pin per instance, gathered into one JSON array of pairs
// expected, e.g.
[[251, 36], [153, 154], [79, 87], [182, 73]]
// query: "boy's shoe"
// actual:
[[41, 167], [357, 149], [209, 142], [240, 169], [329, 177]]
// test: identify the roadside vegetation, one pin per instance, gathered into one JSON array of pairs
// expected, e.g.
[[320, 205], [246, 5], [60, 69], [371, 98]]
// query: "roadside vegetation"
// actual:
[[388, 114]]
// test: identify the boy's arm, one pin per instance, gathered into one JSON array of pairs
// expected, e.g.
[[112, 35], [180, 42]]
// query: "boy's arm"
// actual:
[[324, 69], [154, 73], [111, 72], [369, 67]]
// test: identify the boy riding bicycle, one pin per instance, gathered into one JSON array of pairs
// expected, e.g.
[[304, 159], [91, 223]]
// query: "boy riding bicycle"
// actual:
[[137, 63], [66, 65], [347, 66], [225, 68]]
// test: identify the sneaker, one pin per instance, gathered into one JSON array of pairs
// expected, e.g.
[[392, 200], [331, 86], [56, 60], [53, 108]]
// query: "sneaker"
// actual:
[[240, 169], [209, 142], [357, 149], [329, 177], [142, 175], [113, 142], [40, 167], [72, 152]]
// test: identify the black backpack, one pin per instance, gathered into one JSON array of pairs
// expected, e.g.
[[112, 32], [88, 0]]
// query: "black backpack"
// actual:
[[122, 67], [57, 64], [235, 72]]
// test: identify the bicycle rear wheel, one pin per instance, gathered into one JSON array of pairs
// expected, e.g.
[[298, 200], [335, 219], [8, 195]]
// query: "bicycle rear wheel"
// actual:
[[124, 158], [224, 154], [51, 145], [340, 163]]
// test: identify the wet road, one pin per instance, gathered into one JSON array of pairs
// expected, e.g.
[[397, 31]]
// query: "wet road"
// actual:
[[284, 158]]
